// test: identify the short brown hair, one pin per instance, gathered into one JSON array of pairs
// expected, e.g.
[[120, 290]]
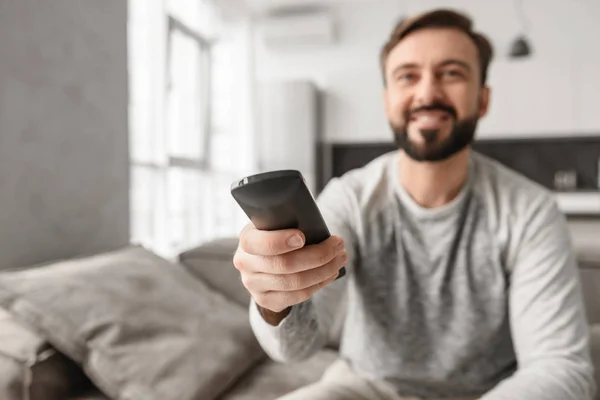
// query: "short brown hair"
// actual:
[[442, 18]]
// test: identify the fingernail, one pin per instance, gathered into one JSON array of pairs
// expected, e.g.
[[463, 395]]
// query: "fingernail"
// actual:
[[295, 241], [340, 248]]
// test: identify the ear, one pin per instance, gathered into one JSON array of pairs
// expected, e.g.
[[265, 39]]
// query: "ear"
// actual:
[[484, 101]]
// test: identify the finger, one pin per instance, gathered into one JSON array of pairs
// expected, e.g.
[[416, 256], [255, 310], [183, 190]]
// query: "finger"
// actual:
[[307, 258], [270, 243], [303, 259], [281, 300], [330, 280], [261, 282]]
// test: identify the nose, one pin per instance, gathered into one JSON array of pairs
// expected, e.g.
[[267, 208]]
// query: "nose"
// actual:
[[428, 90]]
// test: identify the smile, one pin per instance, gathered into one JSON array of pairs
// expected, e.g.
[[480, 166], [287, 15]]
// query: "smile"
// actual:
[[430, 119], [430, 116]]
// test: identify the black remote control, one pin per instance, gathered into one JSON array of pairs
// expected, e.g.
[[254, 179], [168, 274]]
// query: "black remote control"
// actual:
[[281, 200]]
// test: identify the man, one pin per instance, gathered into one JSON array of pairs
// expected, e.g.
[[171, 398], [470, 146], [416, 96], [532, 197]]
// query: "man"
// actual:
[[461, 280]]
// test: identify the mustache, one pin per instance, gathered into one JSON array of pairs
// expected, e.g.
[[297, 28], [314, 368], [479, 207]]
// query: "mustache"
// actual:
[[431, 107]]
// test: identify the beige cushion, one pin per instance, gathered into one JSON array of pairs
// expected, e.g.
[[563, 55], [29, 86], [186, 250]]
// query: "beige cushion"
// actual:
[[29, 367], [590, 284], [271, 380], [142, 327], [585, 235], [595, 347], [92, 394], [212, 262]]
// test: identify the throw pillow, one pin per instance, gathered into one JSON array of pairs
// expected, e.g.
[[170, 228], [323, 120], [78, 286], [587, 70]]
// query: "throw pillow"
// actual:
[[212, 262], [142, 327], [29, 367]]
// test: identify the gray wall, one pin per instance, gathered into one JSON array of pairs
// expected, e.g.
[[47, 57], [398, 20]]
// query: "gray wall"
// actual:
[[63, 129]]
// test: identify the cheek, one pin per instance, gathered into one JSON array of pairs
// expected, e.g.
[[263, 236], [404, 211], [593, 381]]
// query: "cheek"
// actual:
[[398, 103], [464, 100]]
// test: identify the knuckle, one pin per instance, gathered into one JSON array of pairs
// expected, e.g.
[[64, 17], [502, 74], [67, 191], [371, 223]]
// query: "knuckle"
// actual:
[[305, 294], [262, 299], [316, 276], [323, 257], [325, 273], [247, 281], [339, 262], [280, 263], [303, 259], [238, 260], [274, 301], [272, 246], [245, 242], [291, 282], [287, 299], [332, 272], [276, 283]]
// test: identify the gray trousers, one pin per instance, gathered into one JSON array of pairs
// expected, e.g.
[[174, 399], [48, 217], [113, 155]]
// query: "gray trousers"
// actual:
[[340, 383]]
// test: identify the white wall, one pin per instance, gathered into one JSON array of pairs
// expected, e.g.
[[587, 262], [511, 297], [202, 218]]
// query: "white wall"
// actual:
[[552, 93], [63, 129]]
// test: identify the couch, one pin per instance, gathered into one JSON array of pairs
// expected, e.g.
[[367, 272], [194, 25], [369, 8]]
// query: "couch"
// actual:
[[253, 376], [212, 263]]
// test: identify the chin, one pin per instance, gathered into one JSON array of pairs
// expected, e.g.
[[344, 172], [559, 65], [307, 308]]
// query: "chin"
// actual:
[[435, 146], [429, 138]]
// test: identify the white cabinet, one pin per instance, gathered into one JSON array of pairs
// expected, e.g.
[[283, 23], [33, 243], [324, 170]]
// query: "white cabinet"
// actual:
[[531, 98], [543, 98], [288, 127]]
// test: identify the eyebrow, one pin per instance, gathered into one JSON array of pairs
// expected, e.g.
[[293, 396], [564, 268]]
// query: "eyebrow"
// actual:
[[404, 66], [445, 63], [454, 61]]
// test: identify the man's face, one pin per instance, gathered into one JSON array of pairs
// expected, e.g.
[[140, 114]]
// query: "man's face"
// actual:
[[434, 97]]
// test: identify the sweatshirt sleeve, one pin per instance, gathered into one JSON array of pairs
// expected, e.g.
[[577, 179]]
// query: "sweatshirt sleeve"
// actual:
[[547, 316], [306, 329]]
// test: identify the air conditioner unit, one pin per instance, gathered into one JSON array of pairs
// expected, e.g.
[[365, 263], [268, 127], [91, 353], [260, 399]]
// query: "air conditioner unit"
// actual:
[[288, 31]]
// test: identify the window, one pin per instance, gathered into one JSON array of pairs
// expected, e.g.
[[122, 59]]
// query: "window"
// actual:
[[188, 133], [186, 147], [188, 95]]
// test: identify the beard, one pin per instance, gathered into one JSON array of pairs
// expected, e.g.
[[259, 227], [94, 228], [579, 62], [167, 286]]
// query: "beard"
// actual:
[[461, 136]]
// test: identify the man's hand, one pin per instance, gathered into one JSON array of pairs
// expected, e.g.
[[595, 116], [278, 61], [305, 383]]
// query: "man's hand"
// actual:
[[279, 272]]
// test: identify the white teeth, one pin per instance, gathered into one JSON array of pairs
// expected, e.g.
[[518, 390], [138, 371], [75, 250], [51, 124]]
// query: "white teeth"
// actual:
[[429, 118]]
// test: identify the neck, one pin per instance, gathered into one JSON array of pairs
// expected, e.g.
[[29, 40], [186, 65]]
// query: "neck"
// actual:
[[432, 185]]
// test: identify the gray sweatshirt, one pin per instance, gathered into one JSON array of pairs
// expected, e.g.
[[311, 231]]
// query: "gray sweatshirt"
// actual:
[[477, 298]]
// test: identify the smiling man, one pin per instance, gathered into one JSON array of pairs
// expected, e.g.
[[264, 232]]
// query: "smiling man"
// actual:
[[461, 282]]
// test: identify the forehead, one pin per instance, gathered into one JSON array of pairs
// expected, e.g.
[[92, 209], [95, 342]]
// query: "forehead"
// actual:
[[430, 46]]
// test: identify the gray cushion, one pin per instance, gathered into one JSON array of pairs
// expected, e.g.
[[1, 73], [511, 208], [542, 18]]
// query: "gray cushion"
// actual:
[[590, 284], [92, 394], [142, 327], [271, 380], [29, 367], [213, 263], [585, 235], [595, 348]]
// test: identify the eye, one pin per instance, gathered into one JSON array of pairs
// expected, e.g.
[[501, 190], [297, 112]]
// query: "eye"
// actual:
[[407, 77], [452, 74]]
